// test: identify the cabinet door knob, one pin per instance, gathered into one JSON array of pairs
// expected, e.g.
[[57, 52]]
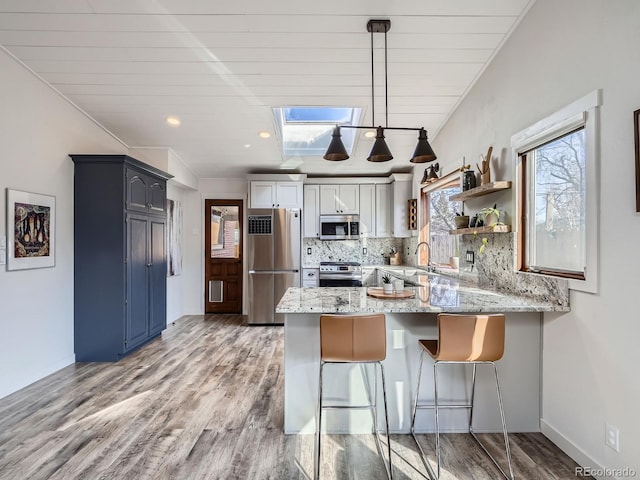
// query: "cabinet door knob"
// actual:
[[149, 264]]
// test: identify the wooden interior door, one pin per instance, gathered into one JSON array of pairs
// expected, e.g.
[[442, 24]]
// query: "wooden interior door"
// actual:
[[223, 256]]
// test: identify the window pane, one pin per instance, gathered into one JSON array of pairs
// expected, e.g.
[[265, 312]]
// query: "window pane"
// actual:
[[312, 139], [225, 232], [557, 203], [318, 115], [441, 215], [306, 131]]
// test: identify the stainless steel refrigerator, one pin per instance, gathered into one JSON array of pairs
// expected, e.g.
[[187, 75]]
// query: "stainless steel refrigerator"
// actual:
[[273, 260]]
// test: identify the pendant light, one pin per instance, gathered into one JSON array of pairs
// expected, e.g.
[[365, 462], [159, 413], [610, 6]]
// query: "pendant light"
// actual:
[[380, 151], [423, 152], [336, 150]]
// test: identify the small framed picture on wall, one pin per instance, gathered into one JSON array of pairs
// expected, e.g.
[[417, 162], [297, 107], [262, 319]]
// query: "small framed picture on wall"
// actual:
[[31, 237], [636, 136]]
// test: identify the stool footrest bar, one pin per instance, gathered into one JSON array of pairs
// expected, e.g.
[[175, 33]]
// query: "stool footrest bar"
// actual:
[[350, 407], [426, 406]]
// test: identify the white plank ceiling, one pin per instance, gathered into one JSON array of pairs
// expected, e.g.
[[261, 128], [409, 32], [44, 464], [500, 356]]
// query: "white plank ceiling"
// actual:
[[220, 66]]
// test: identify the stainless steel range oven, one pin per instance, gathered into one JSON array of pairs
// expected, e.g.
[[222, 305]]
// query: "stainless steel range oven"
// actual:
[[340, 274]]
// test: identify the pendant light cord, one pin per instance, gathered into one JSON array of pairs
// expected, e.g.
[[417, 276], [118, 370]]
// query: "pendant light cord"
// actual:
[[373, 101], [386, 84]]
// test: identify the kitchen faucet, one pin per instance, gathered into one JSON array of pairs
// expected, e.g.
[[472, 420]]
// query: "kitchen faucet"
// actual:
[[430, 268]]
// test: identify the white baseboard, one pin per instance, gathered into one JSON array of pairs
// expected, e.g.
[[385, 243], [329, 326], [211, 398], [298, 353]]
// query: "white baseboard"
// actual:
[[576, 453], [36, 375]]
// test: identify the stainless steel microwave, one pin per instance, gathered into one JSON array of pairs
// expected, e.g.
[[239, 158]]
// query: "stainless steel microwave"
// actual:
[[339, 227]]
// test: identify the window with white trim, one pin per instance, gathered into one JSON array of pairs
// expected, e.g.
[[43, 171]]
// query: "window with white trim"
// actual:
[[557, 164]]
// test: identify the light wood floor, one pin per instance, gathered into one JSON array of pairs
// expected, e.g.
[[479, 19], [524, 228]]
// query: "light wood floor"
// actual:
[[204, 401]]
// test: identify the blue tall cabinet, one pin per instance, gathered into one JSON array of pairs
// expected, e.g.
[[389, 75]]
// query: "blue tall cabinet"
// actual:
[[120, 260]]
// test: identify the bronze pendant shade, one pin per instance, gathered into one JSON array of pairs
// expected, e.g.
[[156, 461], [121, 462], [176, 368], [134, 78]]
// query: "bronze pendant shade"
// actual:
[[380, 151], [336, 151], [424, 152]]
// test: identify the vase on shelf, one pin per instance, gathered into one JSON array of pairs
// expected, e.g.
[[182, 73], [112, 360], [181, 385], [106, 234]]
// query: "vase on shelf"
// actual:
[[490, 219], [468, 180]]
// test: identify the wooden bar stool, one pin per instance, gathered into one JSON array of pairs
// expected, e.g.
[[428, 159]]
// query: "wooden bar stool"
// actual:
[[463, 339], [354, 339]]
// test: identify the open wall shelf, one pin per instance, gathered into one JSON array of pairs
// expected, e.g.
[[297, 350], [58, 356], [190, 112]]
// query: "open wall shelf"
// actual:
[[480, 230], [481, 190]]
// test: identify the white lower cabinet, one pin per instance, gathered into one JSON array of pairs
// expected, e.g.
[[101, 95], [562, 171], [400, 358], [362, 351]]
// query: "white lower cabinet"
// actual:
[[310, 277], [369, 277]]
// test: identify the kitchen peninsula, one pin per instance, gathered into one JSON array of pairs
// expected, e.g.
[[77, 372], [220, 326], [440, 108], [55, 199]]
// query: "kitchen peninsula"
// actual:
[[407, 321]]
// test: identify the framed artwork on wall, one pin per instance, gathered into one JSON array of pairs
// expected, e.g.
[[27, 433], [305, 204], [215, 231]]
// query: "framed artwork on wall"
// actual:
[[31, 220], [174, 238], [636, 136]]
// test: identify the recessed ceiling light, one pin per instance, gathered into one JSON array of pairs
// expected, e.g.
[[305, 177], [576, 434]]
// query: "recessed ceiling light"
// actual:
[[370, 133], [173, 121], [247, 145], [264, 134]]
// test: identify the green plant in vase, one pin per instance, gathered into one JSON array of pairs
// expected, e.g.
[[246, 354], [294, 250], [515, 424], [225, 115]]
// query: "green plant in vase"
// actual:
[[387, 287], [491, 216]]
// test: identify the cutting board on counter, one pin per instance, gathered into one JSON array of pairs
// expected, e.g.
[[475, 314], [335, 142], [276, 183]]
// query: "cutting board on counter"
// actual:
[[378, 292]]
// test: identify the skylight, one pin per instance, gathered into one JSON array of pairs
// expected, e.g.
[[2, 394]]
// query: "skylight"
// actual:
[[306, 131]]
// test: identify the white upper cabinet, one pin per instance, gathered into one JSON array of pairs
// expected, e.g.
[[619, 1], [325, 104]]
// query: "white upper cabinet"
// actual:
[[339, 199], [368, 210], [311, 211], [268, 194], [383, 210]]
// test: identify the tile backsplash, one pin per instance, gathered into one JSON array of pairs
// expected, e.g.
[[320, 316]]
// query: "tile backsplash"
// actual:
[[377, 249], [493, 268]]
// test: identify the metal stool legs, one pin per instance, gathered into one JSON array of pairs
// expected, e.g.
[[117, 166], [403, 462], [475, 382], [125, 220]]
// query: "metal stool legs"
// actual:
[[372, 406], [436, 407], [502, 419], [423, 456]]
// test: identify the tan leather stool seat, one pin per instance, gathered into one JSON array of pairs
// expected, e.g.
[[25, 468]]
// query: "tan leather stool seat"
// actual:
[[353, 338], [467, 338]]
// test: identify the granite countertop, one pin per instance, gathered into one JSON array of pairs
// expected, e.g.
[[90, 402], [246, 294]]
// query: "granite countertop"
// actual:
[[436, 293]]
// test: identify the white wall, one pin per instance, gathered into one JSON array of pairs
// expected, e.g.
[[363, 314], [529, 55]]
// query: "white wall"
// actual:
[[193, 248], [561, 51], [38, 129]]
